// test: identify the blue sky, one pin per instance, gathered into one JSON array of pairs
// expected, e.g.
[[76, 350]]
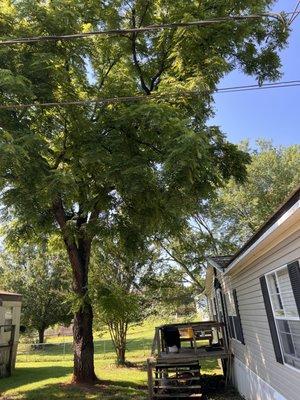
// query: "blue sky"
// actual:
[[271, 114]]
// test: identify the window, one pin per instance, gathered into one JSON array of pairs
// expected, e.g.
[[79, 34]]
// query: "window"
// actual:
[[231, 314], [234, 320], [8, 318], [286, 314], [219, 306]]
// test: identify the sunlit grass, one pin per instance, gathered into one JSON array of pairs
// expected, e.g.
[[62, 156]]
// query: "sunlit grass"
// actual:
[[45, 374]]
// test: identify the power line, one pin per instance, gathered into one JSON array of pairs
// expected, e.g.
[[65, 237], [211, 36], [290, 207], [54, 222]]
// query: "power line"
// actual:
[[148, 28], [295, 13], [256, 87], [259, 88], [128, 99]]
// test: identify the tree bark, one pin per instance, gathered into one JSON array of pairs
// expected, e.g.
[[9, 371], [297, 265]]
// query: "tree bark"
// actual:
[[121, 355], [83, 346], [79, 256], [83, 341], [41, 335]]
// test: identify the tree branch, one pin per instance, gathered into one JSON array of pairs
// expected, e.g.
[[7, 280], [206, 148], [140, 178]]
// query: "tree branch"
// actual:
[[184, 266], [135, 57]]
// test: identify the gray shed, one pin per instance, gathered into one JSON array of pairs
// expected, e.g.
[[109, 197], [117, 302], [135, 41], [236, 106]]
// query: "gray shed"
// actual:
[[10, 311]]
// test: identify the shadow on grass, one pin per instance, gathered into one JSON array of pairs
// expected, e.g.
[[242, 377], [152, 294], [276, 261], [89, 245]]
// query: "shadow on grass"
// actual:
[[210, 365], [105, 390], [27, 376]]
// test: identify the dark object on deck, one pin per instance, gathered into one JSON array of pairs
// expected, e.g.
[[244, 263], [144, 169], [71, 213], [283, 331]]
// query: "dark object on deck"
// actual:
[[171, 336]]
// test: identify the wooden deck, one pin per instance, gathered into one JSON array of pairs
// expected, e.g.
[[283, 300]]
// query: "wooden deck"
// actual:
[[178, 375], [189, 355]]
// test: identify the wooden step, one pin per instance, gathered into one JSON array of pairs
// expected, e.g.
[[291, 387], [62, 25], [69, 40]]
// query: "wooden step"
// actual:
[[190, 371], [176, 396], [166, 387], [179, 364], [194, 378]]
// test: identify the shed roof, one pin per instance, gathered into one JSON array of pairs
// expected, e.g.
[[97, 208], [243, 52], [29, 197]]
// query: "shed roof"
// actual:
[[8, 296]]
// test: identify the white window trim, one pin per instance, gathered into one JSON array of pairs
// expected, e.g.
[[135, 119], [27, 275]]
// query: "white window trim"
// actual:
[[281, 318]]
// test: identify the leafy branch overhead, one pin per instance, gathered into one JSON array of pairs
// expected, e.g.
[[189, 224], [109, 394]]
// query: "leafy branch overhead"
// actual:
[[139, 169]]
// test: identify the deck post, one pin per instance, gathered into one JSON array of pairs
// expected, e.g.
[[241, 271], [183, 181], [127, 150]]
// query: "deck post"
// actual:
[[150, 379], [154, 343], [158, 341]]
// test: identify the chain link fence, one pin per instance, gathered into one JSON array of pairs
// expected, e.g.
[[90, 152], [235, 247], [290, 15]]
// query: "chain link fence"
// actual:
[[63, 351]]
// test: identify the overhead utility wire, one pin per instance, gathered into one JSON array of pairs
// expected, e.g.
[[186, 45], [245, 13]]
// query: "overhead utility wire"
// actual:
[[259, 88], [295, 13], [127, 99], [148, 28]]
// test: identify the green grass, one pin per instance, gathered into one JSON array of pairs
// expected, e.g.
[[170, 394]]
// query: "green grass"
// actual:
[[45, 374]]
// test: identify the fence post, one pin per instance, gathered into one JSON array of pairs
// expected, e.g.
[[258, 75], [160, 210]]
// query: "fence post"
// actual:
[[150, 379]]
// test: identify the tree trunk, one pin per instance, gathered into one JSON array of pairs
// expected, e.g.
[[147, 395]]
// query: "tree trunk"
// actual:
[[79, 251], [118, 334], [41, 335], [83, 341], [84, 346], [121, 355]]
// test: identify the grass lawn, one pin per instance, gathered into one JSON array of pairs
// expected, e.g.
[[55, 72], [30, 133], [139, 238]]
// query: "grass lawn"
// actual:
[[45, 374]]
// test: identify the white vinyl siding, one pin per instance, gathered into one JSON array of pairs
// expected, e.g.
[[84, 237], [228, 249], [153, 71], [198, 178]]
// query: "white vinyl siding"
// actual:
[[258, 352], [285, 314]]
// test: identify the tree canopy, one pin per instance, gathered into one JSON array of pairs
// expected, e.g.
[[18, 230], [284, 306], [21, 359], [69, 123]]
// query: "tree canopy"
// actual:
[[236, 211], [138, 168], [239, 210]]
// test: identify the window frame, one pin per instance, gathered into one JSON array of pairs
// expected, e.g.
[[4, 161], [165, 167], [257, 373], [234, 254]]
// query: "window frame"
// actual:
[[229, 298], [219, 310], [282, 318]]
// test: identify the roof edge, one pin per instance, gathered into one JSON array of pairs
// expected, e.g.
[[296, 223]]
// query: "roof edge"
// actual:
[[283, 209], [6, 296]]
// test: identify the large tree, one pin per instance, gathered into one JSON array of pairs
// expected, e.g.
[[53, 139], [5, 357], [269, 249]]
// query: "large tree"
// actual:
[[143, 166], [43, 280], [239, 210]]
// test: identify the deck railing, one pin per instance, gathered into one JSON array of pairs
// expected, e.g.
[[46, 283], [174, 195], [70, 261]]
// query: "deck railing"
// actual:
[[208, 331]]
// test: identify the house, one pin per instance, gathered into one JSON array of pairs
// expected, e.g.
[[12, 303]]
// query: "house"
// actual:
[[256, 292], [10, 310]]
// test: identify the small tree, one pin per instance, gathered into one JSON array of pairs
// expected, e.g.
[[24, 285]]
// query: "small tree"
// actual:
[[118, 280], [118, 308], [43, 281]]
